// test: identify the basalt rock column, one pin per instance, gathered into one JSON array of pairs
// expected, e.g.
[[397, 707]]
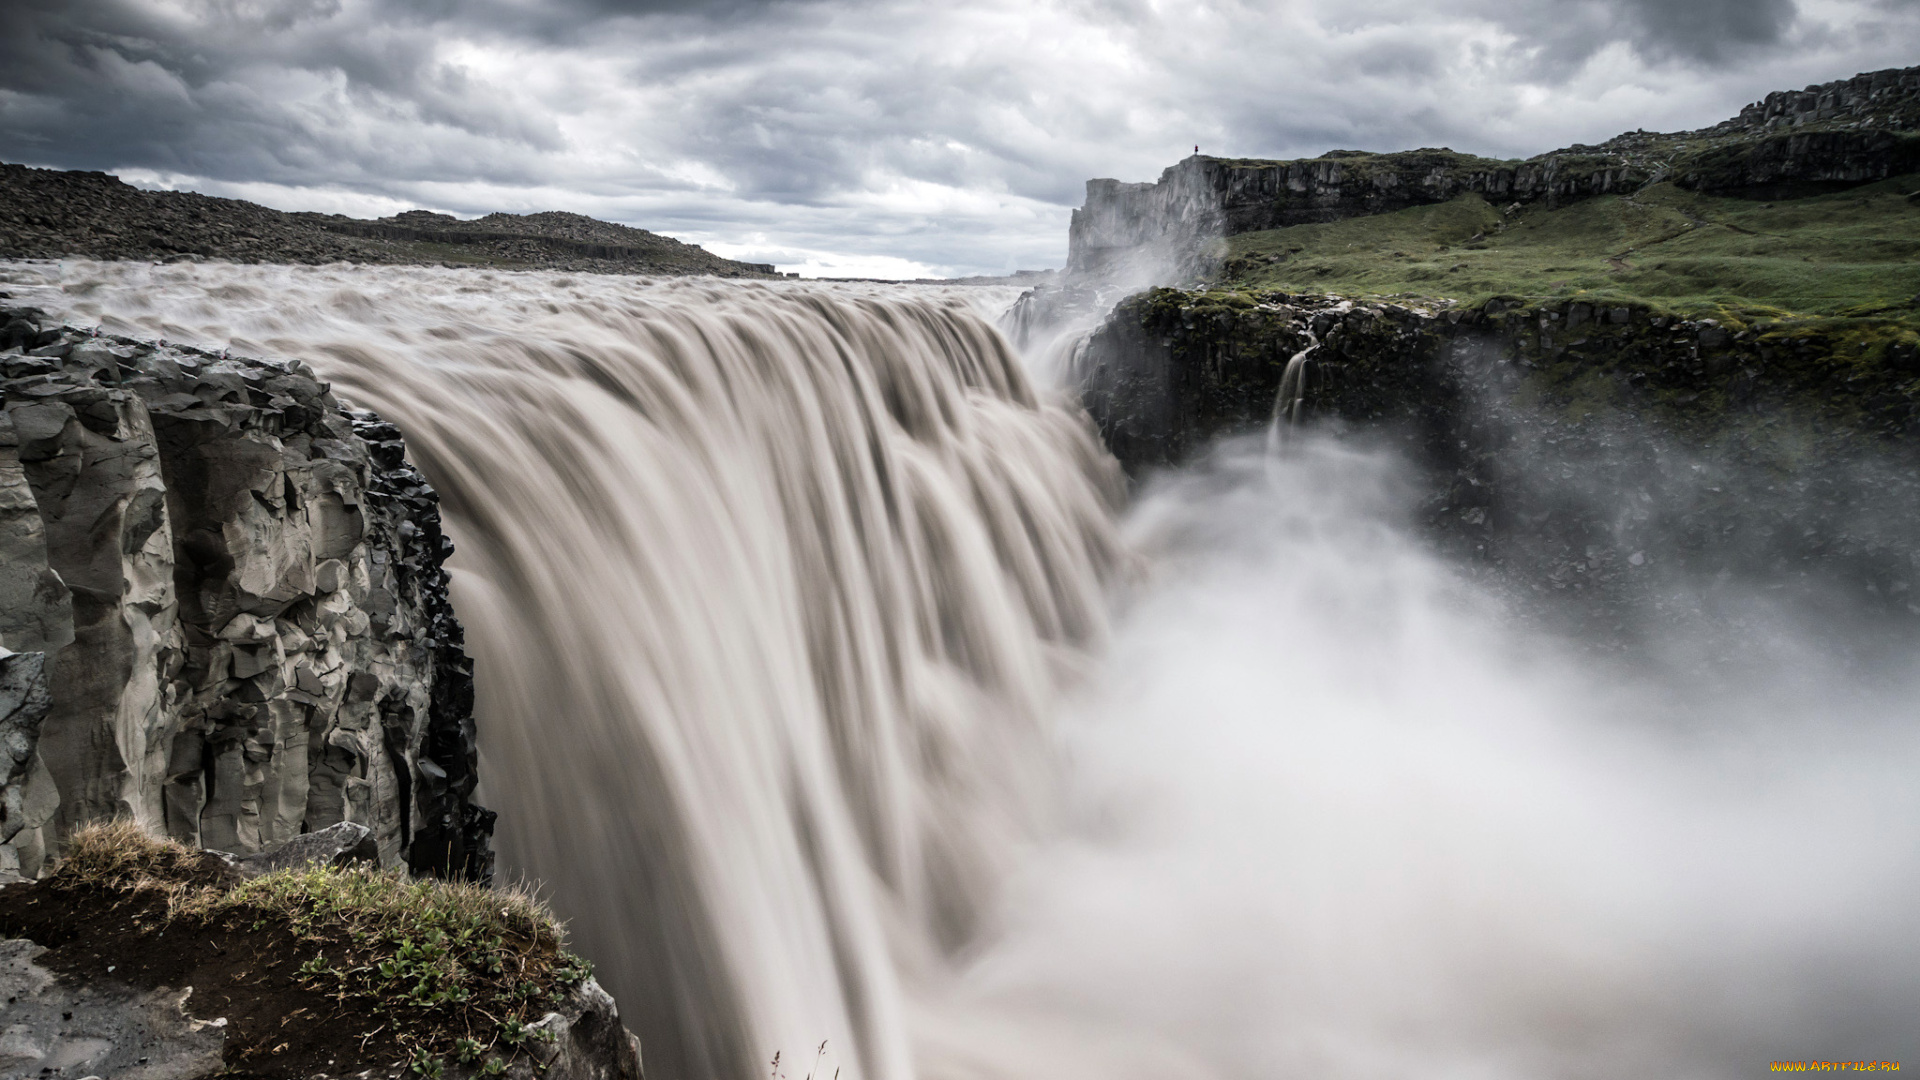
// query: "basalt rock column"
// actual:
[[237, 585]]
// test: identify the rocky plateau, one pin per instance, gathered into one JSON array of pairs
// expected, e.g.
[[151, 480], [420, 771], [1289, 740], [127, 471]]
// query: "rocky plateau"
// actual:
[[1830, 136], [51, 214], [1559, 438]]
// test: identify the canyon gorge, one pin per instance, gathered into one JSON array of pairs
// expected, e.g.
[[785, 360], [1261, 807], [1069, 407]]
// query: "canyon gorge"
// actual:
[[1370, 615]]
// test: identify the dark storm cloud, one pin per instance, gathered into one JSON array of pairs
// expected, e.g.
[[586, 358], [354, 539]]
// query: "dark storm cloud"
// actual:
[[274, 90], [956, 135], [1711, 30], [571, 21], [1704, 32]]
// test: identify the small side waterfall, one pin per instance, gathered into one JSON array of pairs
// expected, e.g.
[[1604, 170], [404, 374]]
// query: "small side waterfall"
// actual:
[[770, 589], [1290, 402]]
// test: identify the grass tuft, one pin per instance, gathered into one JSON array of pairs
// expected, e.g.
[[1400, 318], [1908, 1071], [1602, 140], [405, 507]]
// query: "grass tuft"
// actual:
[[121, 855], [463, 972]]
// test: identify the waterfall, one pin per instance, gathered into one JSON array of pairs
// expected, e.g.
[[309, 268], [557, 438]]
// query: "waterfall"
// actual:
[[770, 589], [789, 606], [1290, 402]]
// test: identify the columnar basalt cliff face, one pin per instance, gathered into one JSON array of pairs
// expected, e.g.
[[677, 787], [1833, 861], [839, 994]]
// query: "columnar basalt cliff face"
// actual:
[[1836, 135], [1205, 198], [237, 588]]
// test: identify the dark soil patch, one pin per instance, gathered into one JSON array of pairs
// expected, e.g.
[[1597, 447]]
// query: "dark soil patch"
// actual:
[[314, 970], [278, 1026]]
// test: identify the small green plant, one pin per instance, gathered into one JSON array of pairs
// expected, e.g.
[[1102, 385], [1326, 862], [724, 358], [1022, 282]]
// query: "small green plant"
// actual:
[[424, 1064], [573, 971], [439, 960]]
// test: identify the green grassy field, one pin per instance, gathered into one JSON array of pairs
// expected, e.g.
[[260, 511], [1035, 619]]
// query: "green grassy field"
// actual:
[[1853, 253]]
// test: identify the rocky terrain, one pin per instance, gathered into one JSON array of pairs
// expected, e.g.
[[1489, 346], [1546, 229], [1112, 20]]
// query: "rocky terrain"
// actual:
[[1175, 368], [1703, 343], [1560, 442], [49, 214], [152, 960], [223, 610], [1826, 137]]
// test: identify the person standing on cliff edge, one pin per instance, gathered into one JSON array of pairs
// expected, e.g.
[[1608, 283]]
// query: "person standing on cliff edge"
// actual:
[[1196, 148]]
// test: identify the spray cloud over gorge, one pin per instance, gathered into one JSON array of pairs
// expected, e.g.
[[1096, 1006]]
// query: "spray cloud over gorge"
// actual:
[[825, 685]]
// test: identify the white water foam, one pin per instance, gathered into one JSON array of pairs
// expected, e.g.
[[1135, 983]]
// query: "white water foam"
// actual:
[[1338, 817]]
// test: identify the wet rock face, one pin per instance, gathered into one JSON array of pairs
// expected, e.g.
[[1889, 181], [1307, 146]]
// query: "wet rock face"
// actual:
[[1171, 370], [237, 586], [1595, 454]]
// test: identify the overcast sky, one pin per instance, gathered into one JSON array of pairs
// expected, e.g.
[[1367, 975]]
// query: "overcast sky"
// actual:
[[844, 136]]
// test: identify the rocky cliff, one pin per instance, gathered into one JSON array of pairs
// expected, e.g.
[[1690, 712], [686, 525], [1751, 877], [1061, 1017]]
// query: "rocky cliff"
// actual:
[[1173, 369], [1161, 223], [1835, 135], [1562, 441], [226, 596]]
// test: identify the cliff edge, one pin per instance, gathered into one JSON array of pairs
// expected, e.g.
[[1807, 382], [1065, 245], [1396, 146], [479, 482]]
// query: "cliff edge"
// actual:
[[1826, 137], [223, 612]]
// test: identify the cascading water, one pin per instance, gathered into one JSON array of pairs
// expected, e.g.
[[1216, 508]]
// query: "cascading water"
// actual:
[[774, 590], [1290, 401], [771, 590]]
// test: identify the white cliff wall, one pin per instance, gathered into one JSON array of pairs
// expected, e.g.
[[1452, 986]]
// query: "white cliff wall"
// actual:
[[1160, 228]]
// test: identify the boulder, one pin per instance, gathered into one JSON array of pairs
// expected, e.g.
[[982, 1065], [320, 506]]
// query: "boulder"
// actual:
[[341, 844], [583, 1040]]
